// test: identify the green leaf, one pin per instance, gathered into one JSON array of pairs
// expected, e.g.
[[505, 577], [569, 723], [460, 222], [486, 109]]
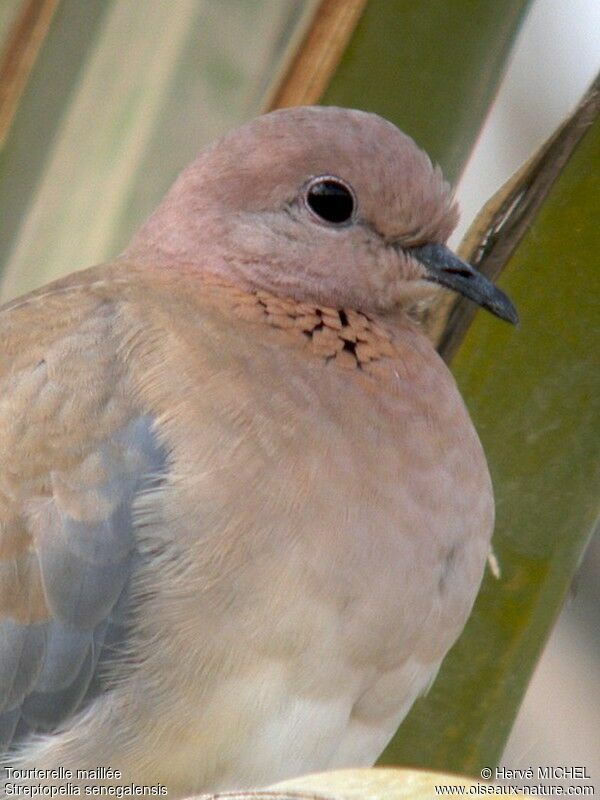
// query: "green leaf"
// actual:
[[432, 67]]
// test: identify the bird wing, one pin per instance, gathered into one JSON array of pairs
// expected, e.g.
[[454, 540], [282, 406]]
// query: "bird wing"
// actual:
[[75, 452]]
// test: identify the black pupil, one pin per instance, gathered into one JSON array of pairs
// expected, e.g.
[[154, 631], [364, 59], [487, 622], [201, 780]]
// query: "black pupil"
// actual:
[[331, 201]]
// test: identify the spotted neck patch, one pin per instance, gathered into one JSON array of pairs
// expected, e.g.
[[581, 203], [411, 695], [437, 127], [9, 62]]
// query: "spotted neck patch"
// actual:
[[344, 337]]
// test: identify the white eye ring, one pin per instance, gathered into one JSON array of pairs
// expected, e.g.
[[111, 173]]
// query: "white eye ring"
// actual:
[[330, 199]]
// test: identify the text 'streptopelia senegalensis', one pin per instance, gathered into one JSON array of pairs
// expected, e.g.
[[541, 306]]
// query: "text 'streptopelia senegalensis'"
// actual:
[[243, 510]]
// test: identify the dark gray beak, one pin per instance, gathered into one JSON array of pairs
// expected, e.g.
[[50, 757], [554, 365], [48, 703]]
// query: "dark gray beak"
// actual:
[[448, 270]]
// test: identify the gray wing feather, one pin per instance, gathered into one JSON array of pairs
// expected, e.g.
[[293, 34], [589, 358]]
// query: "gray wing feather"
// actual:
[[44, 710], [66, 650], [9, 721], [50, 670], [81, 593], [22, 649]]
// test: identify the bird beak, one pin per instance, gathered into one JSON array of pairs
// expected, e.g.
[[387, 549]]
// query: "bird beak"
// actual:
[[445, 268]]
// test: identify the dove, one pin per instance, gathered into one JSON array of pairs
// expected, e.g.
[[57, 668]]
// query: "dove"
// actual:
[[244, 512]]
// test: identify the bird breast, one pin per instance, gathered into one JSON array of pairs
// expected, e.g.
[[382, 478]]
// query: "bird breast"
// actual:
[[293, 466], [327, 519]]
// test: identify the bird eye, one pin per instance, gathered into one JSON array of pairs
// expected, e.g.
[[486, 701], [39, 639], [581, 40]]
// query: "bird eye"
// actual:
[[330, 199]]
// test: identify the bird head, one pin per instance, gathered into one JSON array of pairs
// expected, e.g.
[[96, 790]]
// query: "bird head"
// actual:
[[326, 205]]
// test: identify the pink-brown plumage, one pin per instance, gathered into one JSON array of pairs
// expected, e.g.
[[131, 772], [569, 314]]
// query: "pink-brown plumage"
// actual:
[[235, 476]]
